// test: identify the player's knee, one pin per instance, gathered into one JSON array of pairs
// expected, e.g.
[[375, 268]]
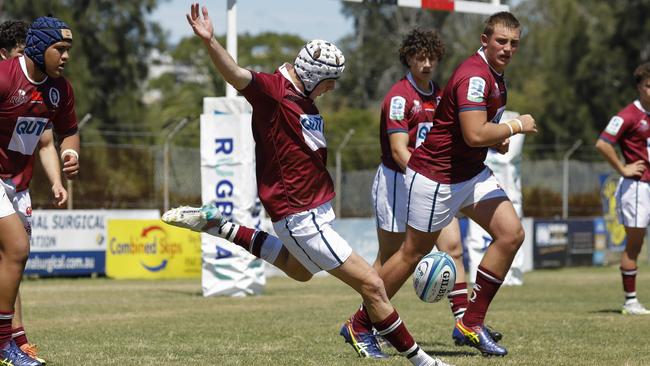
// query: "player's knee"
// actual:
[[16, 253], [515, 238], [372, 289]]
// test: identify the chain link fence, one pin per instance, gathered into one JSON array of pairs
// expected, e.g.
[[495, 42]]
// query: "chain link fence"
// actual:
[[132, 176]]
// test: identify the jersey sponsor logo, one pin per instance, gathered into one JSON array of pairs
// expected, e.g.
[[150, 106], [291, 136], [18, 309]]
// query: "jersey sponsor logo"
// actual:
[[614, 125], [476, 89], [397, 107], [55, 96], [36, 97], [417, 107], [20, 98], [423, 130], [643, 125], [312, 131], [26, 134]]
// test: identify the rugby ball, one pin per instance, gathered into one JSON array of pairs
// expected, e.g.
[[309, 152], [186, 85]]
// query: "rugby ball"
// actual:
[[434, 277]]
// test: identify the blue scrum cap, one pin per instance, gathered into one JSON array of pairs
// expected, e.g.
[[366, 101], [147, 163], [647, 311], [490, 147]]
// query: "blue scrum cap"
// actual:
[[44, 32]]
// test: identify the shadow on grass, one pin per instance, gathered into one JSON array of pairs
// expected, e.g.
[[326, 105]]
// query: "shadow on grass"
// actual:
[[606, 311], [182, 292], [439, 349]]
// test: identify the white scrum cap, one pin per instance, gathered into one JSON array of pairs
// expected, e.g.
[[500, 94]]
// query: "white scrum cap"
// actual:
[[318, 60]]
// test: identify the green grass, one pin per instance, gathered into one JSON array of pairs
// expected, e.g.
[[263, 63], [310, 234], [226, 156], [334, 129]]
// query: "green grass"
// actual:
[[559, 317]]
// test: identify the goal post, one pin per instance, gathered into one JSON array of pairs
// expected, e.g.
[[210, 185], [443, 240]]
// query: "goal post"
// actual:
[[472, 7]]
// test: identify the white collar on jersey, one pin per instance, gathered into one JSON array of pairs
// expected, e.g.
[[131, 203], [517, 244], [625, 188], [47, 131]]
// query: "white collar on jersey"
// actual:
[[23, 66], [409, 76], [285, 73], [482, 54], [637, 103]]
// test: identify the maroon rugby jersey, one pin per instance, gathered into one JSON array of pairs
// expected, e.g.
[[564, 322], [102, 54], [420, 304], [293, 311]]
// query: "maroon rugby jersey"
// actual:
[[444, 156], [409, 110], [28, 108], [290, 147], [630, 128]]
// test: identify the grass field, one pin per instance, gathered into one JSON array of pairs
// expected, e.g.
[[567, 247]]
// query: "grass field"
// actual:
[[559, 317]]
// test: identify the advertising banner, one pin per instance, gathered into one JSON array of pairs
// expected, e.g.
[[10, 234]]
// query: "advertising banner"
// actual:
[[581, 242], [551, 241], [149, 249], [228, 180], [615, 231], [73, 242]]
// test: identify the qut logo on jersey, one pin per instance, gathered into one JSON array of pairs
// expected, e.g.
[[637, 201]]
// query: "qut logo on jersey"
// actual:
[[33, 127], [423, 130], [312, 122], [312, 131], [27, 132]]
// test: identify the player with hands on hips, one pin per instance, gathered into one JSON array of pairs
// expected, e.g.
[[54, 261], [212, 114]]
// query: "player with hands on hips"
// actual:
[[630, 129], [289, 146]]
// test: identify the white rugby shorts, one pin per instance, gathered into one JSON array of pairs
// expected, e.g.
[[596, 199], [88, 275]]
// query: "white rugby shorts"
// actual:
[[431, 205], [309, 237], [389, 199], [633, 203], [16, 202]]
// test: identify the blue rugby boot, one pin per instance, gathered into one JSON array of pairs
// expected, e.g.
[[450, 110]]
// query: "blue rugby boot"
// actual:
[[495, 334], [364, 344], [478, 338], [11, 355]]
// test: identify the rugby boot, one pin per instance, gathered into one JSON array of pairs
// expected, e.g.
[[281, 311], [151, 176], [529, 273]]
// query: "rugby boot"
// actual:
[[11, 355], [32, 351], [194, 218], [495, 334], [364, 344], [634, 308], [478, 338]]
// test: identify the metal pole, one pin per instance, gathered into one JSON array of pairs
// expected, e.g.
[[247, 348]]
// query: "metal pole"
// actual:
[[337, 188], [168, 140], [231, 40], [565, 178], [70, 183]]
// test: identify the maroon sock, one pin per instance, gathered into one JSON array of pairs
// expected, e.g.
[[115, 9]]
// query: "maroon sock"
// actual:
[[394, 331], [250, 239], [19, 336], [5, 328], [458, 299], [486, 286], [361, 322], [629, 283], [244, 237]]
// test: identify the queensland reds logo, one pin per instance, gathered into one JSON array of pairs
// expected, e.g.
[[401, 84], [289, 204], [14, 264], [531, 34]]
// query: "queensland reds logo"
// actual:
[[55, 97], [28, 211]]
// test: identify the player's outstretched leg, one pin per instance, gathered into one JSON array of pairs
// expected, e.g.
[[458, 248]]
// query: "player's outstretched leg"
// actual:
[[208, 219]]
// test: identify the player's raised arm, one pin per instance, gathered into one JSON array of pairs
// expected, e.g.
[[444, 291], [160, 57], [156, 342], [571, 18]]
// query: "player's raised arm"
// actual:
[[234, 75]]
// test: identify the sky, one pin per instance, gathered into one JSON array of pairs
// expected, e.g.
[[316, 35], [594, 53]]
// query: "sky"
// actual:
[[310, 19]]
